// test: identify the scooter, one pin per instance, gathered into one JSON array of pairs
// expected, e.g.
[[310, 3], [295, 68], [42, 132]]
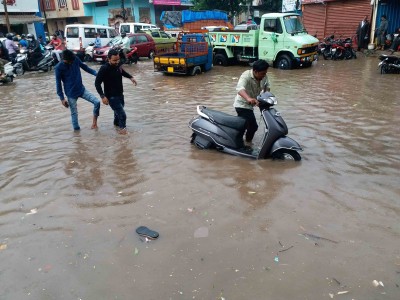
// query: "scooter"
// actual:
[[224, 132], [89, 52], [13, 69], [45, 64], [389, 64]]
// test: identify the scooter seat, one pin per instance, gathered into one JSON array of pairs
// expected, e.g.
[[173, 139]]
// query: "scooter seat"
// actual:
[[221, 118]]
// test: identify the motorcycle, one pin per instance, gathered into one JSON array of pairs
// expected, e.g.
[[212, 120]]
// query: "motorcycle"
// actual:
[[349, 52], [45, 64], [325, 47], [389, 64], [224, 132], [132, 56], [49, 49], [89, 52]]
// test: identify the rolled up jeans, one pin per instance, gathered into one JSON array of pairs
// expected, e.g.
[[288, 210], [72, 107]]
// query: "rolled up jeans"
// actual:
[[88, 96], [117, 104]]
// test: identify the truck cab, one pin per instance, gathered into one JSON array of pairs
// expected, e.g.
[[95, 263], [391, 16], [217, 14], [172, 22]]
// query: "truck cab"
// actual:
[[284, 42], [281, 40]]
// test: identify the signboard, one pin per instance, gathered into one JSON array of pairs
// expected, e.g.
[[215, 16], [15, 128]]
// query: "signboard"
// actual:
[[167, 2], [186, 2], [20, 6]]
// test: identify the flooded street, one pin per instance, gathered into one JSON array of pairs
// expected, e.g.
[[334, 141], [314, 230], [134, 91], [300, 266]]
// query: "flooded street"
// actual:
[[70, 202]]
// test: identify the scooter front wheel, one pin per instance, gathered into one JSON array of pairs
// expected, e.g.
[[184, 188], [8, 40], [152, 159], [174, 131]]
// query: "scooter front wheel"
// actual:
[[286, 154]]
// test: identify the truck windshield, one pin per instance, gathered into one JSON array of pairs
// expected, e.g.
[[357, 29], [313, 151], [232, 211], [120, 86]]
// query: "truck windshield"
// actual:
[[293, 24]]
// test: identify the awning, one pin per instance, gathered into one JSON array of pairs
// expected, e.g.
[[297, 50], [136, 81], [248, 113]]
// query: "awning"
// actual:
[[21, 19]]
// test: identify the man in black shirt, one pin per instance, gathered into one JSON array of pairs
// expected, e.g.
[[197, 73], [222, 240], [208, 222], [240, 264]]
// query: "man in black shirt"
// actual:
[[111, 74]]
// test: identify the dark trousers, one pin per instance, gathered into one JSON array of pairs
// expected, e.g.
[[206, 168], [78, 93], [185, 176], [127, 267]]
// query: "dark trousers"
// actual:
[[252, 126], [117, 104]]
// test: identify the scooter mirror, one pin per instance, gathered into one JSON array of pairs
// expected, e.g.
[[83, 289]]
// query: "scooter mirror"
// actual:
[[266, 99]]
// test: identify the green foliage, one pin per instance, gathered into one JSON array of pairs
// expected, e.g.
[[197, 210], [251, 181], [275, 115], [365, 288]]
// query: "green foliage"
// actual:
[[271, 6], [233, 7]]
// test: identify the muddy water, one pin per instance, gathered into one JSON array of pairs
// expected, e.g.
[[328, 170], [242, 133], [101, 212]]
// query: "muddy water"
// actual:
[[273, 230]]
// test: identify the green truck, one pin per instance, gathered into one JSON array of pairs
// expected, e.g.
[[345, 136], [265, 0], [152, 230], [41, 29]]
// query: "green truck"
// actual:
[[281, 40]]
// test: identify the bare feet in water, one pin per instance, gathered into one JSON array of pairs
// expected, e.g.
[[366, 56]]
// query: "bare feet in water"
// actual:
[[94, 126], [123, 131]]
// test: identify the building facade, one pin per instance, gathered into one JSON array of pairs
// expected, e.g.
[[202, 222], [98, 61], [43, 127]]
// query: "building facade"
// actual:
[[24, 17]]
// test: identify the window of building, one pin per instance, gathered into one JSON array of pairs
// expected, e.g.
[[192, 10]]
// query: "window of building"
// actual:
[[75, 4], [62, 3], [48, 5]]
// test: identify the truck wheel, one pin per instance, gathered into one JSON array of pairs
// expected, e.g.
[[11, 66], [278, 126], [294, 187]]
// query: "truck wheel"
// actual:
[[284, 62], [220, 60], [195, 71]]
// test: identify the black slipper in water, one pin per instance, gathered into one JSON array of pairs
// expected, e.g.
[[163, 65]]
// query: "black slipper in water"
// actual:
[[146, 232]]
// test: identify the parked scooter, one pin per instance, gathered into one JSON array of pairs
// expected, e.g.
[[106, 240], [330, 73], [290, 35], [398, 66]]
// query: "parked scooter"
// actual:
[[89, 52], [389, 64], [214, 129], [13, 69], [45, 64]]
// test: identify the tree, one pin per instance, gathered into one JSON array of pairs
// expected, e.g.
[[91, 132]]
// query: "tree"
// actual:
[[235, 6], [271, 6]]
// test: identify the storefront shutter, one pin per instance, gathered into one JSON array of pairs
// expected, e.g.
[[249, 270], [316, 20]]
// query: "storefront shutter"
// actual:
[[314, 19]]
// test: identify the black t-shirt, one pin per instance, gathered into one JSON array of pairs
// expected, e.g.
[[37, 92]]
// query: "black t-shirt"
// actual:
[[112, 78]]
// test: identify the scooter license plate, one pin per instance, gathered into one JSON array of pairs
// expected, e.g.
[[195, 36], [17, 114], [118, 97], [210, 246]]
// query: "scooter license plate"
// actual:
[[99, 59], [170, 69], [333, 49]]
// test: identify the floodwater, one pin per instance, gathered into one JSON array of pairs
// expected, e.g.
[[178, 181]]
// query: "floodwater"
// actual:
[[70, 202]]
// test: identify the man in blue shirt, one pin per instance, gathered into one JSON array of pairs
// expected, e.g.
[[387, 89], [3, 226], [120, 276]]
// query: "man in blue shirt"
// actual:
[[97, 41], [68, 71]]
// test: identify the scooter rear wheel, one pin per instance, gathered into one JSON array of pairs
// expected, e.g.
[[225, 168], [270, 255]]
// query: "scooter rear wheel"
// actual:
[[286, 154]]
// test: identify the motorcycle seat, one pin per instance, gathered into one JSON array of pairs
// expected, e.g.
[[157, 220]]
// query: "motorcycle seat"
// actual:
[[224, 119]]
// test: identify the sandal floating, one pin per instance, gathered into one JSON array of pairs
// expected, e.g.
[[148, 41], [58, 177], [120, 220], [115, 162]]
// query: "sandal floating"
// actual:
[[146, 232]]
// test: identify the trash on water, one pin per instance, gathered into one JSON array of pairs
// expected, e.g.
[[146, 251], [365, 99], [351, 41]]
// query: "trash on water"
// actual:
[[32, 212], [251, 192], [136, 251], [331, 295], [276, 259], [201, 232], [190, 209], [342, 292], [377, 283], [3, 246]]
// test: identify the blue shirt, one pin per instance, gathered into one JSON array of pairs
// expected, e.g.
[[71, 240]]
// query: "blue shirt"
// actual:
[[70, 75], [97, 43], [23, 43]]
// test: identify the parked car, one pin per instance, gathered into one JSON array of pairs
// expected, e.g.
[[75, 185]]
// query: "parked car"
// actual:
[[246, 27], [162, 39], [144, 43]]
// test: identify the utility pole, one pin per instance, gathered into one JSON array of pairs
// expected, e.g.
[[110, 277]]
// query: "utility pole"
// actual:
[[123, 10], [6, 16]]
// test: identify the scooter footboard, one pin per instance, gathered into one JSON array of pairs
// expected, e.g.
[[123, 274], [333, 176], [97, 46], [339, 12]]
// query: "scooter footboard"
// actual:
[[285, 143]]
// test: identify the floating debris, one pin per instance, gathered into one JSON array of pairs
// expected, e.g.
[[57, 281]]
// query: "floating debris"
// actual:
[[3, 246], [342, 292], [32, 212], [316, 237]]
